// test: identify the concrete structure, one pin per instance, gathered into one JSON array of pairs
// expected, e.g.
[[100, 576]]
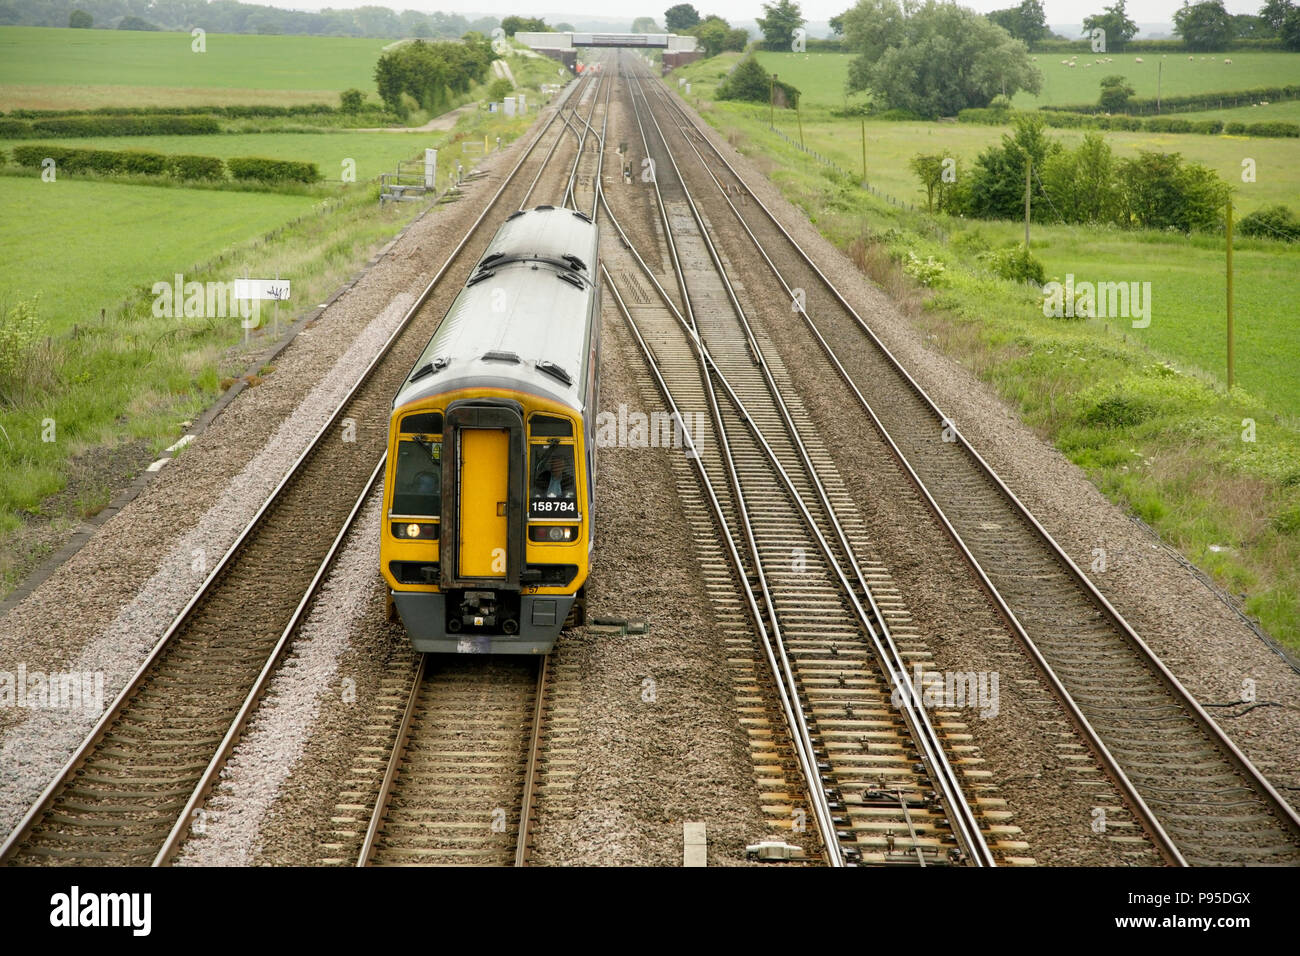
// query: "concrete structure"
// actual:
[[545, 42]]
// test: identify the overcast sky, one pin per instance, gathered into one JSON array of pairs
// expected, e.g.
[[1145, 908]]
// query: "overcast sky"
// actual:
[[1058, 11]]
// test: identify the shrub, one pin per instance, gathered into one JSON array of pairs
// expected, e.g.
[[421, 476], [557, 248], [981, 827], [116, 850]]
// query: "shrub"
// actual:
[[128, 162], [749, 81], [27, 365], [107, 161], [928, 272], [1236, 129], [272, 170], [1117, 411], [1017, 264], [209, 168], [351, 101], [1115, 93], [1273, 129], [88, 125], [1275, 222], [500, 89]]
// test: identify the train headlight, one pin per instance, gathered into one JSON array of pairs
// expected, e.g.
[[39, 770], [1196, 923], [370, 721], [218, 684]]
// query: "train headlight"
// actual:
[[415, 530], [553, 533]]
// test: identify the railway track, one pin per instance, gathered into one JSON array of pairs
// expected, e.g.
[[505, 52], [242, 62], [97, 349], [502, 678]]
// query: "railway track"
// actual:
[[874, 766], [128, 794], [1194, 791], [460, 784]]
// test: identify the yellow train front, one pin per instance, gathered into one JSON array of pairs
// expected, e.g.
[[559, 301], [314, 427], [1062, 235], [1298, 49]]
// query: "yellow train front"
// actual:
[[490, 482]]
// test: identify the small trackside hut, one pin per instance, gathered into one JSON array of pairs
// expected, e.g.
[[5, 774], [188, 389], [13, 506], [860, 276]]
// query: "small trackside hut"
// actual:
[[489, 487]]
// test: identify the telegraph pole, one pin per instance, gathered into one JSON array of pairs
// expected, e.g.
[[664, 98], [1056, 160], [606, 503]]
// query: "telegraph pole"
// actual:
[[771, 102], [1029, 165], [1230, 349], [798, 119], [864, 151]]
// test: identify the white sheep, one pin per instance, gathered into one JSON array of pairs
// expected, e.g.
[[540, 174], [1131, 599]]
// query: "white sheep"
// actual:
[[1138, 60], [1226, 60]]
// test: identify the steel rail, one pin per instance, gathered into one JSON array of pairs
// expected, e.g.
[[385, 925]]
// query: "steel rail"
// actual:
[[799, 731], [394, 762], [965, 825], [171, 845], [791, 708], [64, 777], [1148, 818], [530, 770]]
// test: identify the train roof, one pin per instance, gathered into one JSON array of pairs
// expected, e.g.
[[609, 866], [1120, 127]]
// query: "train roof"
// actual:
[[524, 319]]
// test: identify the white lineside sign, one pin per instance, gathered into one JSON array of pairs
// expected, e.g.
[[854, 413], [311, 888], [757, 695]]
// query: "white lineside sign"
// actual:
[[277, 289], [509, 103], [430, 167]]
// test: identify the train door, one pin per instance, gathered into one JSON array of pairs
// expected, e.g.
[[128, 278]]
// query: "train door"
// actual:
[[484, 494]]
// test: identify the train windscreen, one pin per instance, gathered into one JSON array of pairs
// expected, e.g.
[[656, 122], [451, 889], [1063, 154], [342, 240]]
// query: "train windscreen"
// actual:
[[417, 481]]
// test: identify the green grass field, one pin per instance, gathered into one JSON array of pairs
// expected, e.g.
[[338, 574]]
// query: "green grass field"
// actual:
[[1177, 74], [820, 77], [45, 68], [120, 237]]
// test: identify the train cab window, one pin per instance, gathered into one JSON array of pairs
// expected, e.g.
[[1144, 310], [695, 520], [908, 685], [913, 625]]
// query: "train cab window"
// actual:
[[553, 482], [422, 423], [417, 480], [549, 426]]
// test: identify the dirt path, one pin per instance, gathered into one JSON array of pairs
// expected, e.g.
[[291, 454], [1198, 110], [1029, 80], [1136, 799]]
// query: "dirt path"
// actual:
[[444, 122]]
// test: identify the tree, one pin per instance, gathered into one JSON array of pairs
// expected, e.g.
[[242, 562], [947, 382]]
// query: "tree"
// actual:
[[513, 25], [870, 28], [680, 18], [563, 28], [837, 25], [1027, 22], [135, 23], [1119, 29], [80, 20], [1204, 26], [645, 25], [1274, 12], [1162, 192], [736, 40], [997, 181], [939, 177], [1115, 93], [749, 81], [783, 18], [934, 60], [1291, 29], [1081, 183], [712, 34], [351, 101]]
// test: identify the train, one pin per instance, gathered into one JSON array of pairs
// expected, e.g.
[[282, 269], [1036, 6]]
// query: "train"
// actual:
[[489, 488]]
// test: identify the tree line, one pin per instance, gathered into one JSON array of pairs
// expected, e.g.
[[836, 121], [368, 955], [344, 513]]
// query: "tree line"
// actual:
[[431, 73], [231, 16], [1085, 185]]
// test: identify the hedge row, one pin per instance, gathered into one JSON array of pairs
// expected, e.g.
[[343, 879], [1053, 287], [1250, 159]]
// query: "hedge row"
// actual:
[[110, 126], [1194, 101], [1155, 124], [272, 170], [178, 166], [232, 112]]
